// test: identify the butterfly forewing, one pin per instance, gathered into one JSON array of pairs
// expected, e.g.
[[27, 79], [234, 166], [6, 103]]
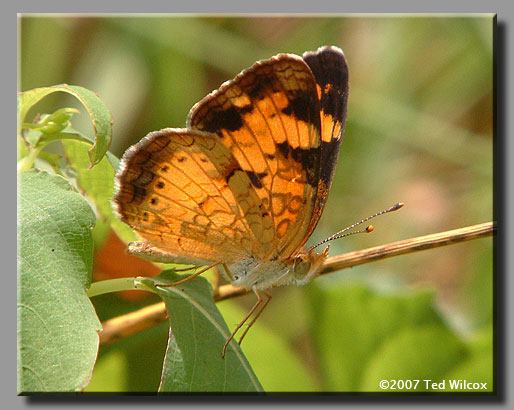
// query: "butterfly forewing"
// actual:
[[268, 116], [330, 70]]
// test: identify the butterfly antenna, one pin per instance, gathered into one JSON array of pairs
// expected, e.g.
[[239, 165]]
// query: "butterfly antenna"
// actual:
[[368, 229]]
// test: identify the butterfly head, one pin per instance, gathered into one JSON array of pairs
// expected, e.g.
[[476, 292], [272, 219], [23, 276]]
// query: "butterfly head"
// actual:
[[307, 265]]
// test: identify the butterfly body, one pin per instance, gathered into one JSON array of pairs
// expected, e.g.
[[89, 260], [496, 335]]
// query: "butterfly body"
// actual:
[[299, 270], [245, 183]]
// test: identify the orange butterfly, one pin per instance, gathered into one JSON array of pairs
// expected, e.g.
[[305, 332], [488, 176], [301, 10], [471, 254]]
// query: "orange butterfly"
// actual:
[[245, 183]]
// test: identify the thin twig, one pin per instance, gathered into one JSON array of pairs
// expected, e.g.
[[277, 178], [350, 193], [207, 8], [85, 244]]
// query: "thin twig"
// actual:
[[126, 325], [420, 243]]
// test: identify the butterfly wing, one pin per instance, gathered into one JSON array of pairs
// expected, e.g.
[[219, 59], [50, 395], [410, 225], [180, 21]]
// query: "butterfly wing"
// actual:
[[330, 69], [268, 116], [186, 196], [251, 174]]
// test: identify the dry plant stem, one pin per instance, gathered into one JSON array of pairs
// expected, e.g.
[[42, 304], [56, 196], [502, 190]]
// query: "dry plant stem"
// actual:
[[126, 325], [420, 243], [123, 326]]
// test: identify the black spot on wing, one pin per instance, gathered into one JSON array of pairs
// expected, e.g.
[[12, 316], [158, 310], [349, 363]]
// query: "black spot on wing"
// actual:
[[259, 87], [245, 110], [255, 178], [284, 148], [229, 175], [330, 152], [228, 119], [330, 70], [303, 106], [232, 171], [308, 158], [139, 194], [144, 177]]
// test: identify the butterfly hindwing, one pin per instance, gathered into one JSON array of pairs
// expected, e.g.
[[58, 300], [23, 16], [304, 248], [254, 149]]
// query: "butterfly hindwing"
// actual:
[[186, 195]]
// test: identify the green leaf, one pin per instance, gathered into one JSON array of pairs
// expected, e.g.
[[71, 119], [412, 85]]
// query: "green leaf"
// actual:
[[110, 373], [350, 323], [140, 357], [417, 353], [262, 342], [98, 112], [193, 360], [479, 285], [97, 183], [57, 325], [32, 137], [52, 160], [478, 368]]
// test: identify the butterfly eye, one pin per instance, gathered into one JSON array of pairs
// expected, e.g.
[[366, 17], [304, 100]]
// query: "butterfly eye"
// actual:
[[236, 277]]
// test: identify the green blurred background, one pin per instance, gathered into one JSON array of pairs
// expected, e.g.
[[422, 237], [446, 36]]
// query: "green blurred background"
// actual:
[[419, 131]]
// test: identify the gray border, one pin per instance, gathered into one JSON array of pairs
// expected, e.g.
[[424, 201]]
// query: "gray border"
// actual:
[[504, 200]]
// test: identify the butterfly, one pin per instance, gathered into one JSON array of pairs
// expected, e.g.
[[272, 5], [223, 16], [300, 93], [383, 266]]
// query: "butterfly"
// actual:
[[245, 183]]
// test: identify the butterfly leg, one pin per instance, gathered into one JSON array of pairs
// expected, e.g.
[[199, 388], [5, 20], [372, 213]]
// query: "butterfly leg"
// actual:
[[185, 269], [256, 316], [216, 281], [260, 300], [194, 275]]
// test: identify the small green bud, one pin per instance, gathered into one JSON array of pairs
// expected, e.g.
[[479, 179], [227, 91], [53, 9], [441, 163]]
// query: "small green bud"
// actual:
[[57, 121]]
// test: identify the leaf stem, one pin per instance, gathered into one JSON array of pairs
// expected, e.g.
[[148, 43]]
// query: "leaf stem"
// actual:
[[117, 285], [26, 162]]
